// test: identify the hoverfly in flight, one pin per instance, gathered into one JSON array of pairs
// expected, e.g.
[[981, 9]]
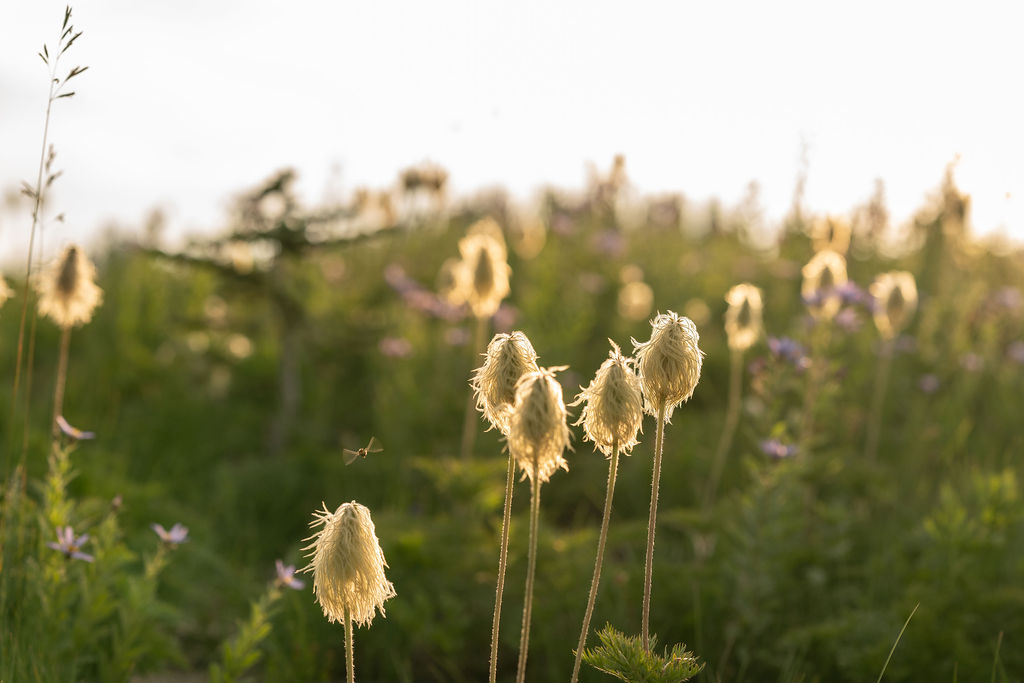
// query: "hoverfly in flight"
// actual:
[[373, 447]]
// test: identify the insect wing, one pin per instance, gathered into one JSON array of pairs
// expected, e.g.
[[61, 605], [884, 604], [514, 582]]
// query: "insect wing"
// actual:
[[349, 455], [374, 446]]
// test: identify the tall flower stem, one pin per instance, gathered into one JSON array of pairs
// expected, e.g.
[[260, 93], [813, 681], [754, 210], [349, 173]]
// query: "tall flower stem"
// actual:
[[524, 638], [613, 467], [882, 369], [349, 649], [502, 564], [659, 444], [469, 422], [62, 375], [732, 419]]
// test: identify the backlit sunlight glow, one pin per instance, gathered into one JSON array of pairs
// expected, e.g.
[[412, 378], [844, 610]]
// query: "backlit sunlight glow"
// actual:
[[185, 103]]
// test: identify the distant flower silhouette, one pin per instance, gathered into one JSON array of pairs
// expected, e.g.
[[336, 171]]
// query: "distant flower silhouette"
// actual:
[[777, 449], [395, 347], [286, 576], [929, 383], [71, 546], [176, 536]]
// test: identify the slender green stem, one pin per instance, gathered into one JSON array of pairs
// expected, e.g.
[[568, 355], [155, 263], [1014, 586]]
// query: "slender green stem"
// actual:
[[62, 376], [349, 649], [659, 444], [882, 368], [732, 419], [613, 467], [524, 638], [469, 427], [502, 564], [26, 290], [898, 637]]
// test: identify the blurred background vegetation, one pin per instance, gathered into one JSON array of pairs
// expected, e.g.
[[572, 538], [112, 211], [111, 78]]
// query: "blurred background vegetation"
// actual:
[[224, 380]]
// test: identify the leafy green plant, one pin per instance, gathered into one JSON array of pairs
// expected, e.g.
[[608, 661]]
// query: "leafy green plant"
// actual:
[[626, 658]]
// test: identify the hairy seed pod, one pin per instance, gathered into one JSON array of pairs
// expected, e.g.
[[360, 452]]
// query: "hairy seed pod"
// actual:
[[508, 357], [823, 275], [348, 565], [67, 290], [484, 274], [614, 407], [743, 323], [895, 300], [669, 362], [538, 434]]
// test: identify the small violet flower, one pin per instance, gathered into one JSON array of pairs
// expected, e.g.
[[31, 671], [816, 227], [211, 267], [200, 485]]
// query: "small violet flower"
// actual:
[[176, 536], [777, 449], [73, 432], [71, 546], [848, 320], [789, 350], [1015, 352], [286, 576]]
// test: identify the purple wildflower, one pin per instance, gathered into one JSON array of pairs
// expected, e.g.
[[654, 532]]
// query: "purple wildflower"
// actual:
[[972, 362], [609, 243], [929, 383], [73, 432], [1008, 298], [176, 536], [286, 576], [456, 336], [1015, 352], [852, 293], [789, 350], [776, 449], [505, 318], [69, 545], [395, 347], [848, 320]]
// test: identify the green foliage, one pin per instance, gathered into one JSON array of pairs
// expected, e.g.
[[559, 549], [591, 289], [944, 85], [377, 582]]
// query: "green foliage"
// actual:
[[243, 651], [625, 658]]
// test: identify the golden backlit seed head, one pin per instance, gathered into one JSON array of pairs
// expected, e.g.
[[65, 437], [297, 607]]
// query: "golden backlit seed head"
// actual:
[[5, 291], [67, 291], [483, 277], [895, 296], [669, 363], [831, 232], [823, 275], [743, 318], [508, 358], [614, 408], [538, 433], [347, 564]]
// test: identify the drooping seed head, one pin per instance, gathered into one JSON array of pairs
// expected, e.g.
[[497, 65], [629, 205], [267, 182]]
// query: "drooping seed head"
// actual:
[[508, 357], [895, 297], [743, 319], [538, 434], [824, 274], [669, 363], [614, 407], [67, 290], [484, 274], [347, 564]]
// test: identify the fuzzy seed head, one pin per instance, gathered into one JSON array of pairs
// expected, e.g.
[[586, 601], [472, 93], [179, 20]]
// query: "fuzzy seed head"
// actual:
[[895, 297], [67, 290], [669, 363], [614, 408], [484, 274], [347, 564], [508, 357], [743, 323], [824, 274], [5, 291], [538, 434], [831, 232]]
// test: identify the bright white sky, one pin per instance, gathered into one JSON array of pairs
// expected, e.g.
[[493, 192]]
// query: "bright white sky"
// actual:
[[188, 102]]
